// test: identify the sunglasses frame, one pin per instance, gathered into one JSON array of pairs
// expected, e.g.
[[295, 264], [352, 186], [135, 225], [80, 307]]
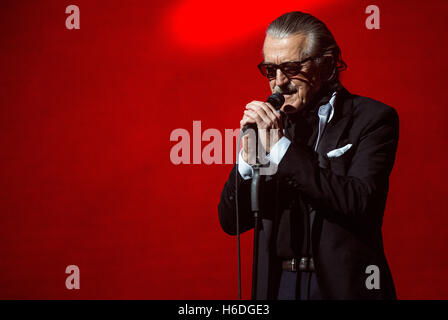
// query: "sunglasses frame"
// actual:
[[299, 66]]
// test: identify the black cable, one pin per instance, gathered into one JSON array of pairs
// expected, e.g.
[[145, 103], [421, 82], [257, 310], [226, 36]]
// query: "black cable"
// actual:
[[237, 215]]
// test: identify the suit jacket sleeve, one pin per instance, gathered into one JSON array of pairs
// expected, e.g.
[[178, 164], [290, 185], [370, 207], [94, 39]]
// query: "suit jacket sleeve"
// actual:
[[359, 193], [226, 206]]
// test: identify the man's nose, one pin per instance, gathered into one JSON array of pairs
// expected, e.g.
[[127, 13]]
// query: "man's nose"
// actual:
[[280, 79]]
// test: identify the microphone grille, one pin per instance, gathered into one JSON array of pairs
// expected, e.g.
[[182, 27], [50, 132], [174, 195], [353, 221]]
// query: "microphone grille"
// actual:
[[276, 100]]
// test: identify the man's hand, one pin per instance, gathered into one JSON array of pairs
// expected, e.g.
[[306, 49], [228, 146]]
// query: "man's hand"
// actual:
[[269, 125]]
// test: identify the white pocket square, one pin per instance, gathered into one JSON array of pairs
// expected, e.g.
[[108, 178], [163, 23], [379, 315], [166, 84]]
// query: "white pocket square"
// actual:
[[339, 152]]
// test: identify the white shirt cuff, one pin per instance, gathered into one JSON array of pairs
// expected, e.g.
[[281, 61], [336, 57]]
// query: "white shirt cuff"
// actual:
[[245, 170], [278, 150], [275, 156]]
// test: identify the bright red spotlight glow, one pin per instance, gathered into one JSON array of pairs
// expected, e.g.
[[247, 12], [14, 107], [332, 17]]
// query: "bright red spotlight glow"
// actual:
[[203, 24]]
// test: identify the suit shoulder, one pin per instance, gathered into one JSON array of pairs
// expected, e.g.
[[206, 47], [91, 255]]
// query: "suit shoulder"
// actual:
[[371, 110]]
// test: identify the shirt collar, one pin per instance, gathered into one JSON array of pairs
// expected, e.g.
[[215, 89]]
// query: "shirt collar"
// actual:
[[323, 102], [311, 114], [332, 103]]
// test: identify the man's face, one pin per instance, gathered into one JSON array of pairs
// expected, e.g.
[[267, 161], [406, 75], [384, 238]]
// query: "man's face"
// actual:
[[299, 89]]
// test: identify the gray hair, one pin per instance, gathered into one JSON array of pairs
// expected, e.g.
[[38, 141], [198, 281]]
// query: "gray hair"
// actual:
[[320, 43]]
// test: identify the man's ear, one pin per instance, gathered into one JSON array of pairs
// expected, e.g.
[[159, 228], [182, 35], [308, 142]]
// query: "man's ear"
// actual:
[[327, 67]]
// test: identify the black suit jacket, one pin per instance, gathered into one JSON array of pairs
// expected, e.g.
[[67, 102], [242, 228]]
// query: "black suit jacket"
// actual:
[[348, 192]]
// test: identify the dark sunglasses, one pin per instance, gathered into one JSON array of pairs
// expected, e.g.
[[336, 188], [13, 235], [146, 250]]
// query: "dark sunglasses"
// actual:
[[289, 69]]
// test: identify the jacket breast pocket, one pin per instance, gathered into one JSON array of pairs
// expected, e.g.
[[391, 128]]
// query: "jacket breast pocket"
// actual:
[[340, 165]]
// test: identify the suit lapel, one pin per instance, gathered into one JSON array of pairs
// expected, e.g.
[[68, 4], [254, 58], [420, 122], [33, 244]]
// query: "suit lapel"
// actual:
[[335, 128], [330, 139]]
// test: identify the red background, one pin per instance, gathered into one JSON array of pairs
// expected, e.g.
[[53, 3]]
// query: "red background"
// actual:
[[86, 116]]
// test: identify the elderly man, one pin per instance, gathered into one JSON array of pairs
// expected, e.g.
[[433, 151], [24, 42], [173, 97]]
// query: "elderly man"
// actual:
[[323, 208]]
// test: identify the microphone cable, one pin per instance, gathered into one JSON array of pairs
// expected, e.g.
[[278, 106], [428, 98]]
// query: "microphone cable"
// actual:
[[240, 135]]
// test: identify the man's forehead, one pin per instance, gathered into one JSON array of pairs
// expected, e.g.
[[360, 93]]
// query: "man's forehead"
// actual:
[[278, 50]]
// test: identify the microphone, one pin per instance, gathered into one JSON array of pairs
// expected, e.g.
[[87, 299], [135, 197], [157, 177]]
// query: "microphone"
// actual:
[[276, 100]]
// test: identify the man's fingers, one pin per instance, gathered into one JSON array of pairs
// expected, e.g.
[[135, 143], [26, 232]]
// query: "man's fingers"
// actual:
[[270, 112], [246, 119], [274, 111], [258, 114], [265, 113], [254, 116], [266, 118]]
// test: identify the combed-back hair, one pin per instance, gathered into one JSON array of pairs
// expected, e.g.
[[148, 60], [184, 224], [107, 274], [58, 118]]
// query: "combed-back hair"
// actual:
[[320, 42]]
